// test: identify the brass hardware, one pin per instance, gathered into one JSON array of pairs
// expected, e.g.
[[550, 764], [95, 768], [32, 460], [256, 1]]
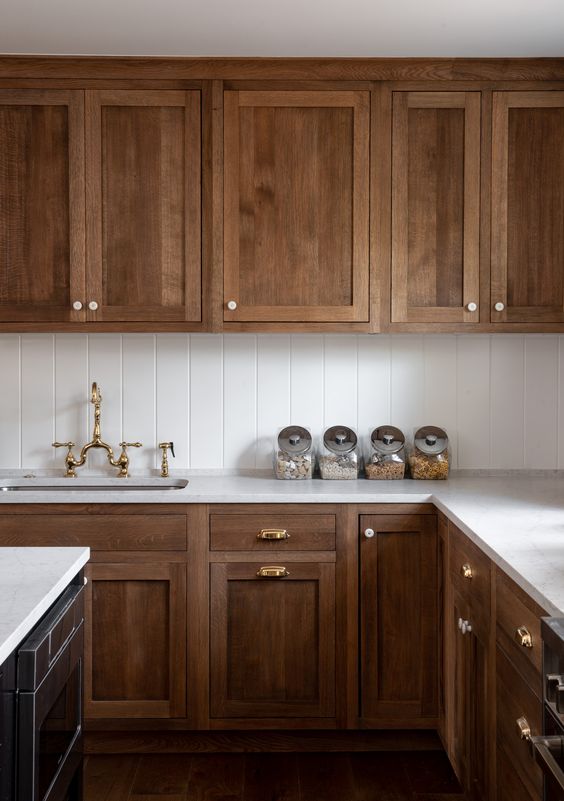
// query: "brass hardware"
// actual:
[[524, 729], [524, 637], [164, 459], [272, 571], [464, 625], [122, 462], [466, 571], [273, 534]]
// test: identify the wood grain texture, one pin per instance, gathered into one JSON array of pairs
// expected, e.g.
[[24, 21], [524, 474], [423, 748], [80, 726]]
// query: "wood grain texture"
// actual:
[[143, 205], [41, 205], [239, 532], [435, 206], [296, 206]]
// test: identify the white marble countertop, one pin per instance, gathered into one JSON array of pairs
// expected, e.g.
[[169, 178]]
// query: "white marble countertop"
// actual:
[[517, 520], [31, 580]]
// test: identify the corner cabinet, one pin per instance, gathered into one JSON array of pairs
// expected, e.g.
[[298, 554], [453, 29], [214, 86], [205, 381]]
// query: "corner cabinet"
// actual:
[[296, 206]]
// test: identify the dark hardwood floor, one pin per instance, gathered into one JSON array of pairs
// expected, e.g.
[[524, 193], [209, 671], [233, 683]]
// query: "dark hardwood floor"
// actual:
[[382, 776]]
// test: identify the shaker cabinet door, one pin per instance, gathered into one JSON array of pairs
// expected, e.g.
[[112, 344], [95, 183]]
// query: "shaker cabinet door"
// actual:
[[296, 176], [41, 205], [143, 206], [435, 207]]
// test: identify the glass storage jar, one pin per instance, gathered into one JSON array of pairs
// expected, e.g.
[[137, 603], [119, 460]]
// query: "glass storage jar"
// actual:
[[385, 457], [293, 453], [338, 457], [430, 456]]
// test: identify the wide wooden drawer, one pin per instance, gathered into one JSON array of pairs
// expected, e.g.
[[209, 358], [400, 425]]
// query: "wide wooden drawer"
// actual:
[[261, 532], [516, 701], [469, 569], [518, 629], [99, 532]]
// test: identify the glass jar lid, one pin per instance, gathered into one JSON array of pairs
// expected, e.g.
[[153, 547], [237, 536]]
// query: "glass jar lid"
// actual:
[[431, 440], [294, 439], [340, 439], [387, 439]]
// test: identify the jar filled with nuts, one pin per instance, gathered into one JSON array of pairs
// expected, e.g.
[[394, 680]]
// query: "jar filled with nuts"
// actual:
[[430, 457], [385, 457], [293, 453], [338, 458]]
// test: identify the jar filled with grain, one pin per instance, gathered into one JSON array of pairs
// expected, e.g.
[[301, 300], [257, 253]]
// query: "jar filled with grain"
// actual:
[[430, 456], [293, 453], [385, 455], [338, 456]]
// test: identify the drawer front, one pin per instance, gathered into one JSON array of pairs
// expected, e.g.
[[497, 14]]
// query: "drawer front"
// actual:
[[99, 532], [264, 532], [516, 700], [469, 569], [518, 630]]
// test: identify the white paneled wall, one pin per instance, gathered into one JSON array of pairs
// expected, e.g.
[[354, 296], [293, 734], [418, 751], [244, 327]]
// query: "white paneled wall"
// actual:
[[222, 398]]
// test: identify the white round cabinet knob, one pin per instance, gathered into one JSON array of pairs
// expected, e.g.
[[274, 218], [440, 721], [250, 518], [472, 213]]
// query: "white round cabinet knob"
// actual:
[[499, 306], [471, 307], [369, 533], [231, 305], [77, 305], [92, 305]]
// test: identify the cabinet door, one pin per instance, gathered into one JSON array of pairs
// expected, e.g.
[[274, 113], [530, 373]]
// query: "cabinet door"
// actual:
[[273, 641], [143, 205], [527, 258], [399, 618], [296, 206], [435, 207], [41, 205], [135, 645]]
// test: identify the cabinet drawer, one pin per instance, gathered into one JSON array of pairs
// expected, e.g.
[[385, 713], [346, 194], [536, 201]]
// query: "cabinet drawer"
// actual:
[[517, 617], [99, 532], [467, 558], [261, 532], [515, 700]]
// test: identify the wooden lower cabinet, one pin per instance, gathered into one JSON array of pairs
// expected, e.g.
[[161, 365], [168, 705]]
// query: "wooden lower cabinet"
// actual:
[[272, 641], [398, 619], [135, 644]]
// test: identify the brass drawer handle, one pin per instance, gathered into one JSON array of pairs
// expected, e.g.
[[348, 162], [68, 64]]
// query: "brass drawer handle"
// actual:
[[466, 571], [272, 571], [524, 637], [524, 729], [273, 534]]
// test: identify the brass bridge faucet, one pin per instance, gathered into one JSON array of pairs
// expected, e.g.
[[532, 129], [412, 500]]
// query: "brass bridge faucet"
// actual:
[[122, 462]]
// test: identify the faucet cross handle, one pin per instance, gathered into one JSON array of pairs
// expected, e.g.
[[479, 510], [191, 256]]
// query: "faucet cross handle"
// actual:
[[130, 445], [70, 460], [68, 445]]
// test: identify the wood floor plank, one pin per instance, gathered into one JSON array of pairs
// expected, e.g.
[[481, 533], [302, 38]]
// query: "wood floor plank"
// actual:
[[109, 778], [431, 774], [216, 777], [271, 777], [380, 777], [325, 777], [162, 775]]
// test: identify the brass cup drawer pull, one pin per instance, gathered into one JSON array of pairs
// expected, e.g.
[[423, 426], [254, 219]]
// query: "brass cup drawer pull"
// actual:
[[524, 637], [466, 571], [273, 571], [273, 534], [524, 729]]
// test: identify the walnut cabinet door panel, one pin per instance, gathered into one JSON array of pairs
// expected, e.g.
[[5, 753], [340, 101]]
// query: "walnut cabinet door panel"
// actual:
[[296, 177], [41, 205]]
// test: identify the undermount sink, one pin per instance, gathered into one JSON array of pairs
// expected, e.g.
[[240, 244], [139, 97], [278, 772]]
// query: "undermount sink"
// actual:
[[92, 484]]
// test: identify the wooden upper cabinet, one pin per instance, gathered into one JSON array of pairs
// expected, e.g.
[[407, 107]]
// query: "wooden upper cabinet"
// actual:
[[41, 204], [296, 177], [527, 259], [435, 207], [143, 205]]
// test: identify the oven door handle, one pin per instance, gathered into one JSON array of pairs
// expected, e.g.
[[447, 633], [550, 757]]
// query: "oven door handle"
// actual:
[[544, 749]]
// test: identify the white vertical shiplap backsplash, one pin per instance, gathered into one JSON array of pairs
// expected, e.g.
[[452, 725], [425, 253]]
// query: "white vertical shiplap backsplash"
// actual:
[[222, 398]]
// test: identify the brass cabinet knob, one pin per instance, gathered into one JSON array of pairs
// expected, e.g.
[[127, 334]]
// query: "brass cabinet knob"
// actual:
[[273, 534], [524, 637], [523, 728], [272, 571], [231, 305], [466, 571]]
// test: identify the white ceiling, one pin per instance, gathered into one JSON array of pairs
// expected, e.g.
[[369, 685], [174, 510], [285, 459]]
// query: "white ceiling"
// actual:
[[284, 27]]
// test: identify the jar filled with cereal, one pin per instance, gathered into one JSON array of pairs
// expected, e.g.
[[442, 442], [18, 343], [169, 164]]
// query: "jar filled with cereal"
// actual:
[[385, 458], [293, 453], [338, 457], [430, 456]]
